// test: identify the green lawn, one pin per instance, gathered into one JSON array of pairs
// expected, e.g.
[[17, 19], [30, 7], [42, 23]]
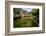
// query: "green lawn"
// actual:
[[25, 22]]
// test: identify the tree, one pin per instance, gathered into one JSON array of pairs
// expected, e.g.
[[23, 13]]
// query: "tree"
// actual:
[[35, 12], [16, 10]]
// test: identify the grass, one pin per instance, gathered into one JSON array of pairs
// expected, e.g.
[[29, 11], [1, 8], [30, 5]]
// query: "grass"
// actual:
[[24, 22]]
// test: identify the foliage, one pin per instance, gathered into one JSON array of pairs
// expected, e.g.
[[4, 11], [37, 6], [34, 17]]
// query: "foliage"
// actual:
[[35, 12], [16, 10]]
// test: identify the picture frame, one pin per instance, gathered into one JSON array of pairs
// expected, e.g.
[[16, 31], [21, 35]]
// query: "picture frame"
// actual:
[[9, 5]]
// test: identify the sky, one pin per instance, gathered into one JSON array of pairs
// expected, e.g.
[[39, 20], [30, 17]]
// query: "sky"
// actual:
[[27, 9]]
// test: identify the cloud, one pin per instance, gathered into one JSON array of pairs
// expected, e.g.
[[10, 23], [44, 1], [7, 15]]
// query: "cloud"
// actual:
[[27, 9]]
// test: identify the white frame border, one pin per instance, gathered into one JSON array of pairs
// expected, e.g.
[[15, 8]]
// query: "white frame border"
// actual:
[[25, 29]]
